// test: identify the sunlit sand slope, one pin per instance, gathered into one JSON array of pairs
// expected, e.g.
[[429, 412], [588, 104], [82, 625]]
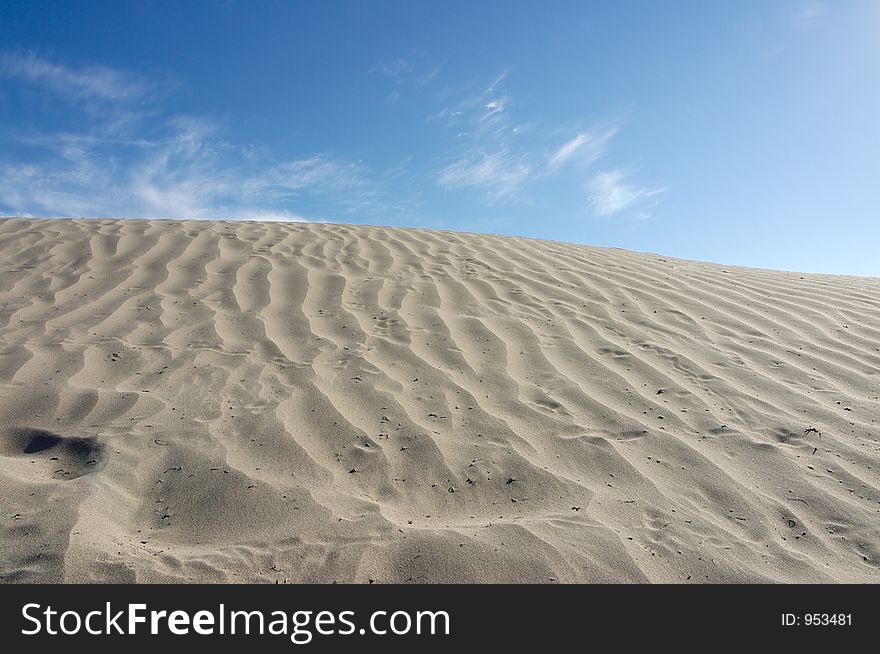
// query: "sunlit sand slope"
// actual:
[[194, 401]]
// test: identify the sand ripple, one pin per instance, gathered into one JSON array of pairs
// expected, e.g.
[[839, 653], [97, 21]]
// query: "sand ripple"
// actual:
[[193, 401]]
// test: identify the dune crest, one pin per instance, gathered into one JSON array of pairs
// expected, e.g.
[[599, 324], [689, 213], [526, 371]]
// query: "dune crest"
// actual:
[[225, 401]]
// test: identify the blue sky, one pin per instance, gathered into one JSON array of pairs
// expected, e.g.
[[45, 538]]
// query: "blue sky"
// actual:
[[739, 132]]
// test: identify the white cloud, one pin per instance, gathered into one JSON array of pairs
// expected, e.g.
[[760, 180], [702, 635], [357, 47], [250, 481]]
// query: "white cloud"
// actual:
[[611, 194], [495, 155], [501, 174], [405, 75], [487, 106], [588, 146], [484, 154], [497, 81], [127, 162], [565, 153], [493, 108], [190, 173], [93, 82], [116, 100], [311, 175], [427, 77]]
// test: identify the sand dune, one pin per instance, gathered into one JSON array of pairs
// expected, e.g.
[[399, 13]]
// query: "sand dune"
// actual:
[[194, 401]]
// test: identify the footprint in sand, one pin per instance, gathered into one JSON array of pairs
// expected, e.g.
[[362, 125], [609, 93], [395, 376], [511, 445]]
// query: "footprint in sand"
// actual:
[[43, 455]]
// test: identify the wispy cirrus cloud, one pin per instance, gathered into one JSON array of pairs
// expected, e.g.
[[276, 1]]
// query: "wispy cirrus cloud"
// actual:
[[114, 99], [612, 194], [487, 155], [87, 83], [408, 72], [485, 107], [129, 156], [508, 160], [189, 173], [500, 174], [172, 167], [315, 174], [587, 146]]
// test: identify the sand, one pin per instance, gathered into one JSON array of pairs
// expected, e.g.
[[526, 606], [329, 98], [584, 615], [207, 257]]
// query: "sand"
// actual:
[[259, 402]]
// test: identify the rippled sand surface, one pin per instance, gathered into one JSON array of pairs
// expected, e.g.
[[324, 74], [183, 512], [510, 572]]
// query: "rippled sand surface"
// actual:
[[244, 401]]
